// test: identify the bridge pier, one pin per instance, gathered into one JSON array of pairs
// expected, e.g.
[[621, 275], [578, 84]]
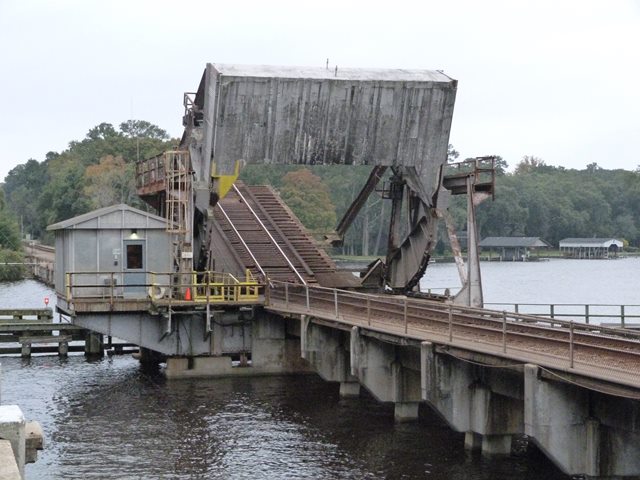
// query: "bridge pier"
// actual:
[[275, 345], [390, 372], [486, 404], [582, 431], [327, 351], [272, 341], [94, 344]]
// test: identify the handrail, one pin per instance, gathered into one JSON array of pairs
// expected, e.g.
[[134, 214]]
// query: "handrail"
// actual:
[[596, 351], [485, 314], [584, 311], [205, 286]]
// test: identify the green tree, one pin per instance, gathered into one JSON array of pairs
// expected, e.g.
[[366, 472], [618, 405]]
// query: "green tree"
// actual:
[[452, 154], [501, 165], [57, 188], [309, 199], [23, 185], [144, 129], [110, 182], [63, 197], [8, 272], [10, 246], [529, 164], [9, 232]]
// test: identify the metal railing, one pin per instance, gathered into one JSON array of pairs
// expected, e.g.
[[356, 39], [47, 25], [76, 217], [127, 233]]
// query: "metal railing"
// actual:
[[596, 351], [596, 313], [223, 287], [150, 171], [203, 287]]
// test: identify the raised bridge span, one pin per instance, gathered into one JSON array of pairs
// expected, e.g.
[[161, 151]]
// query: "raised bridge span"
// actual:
[[224, 280]]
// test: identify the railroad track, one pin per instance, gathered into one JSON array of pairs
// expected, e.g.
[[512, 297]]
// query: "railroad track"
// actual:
[[37, 250], [268, 238], [604, 353]]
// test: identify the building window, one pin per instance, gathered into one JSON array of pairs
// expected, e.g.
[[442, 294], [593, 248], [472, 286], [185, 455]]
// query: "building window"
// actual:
[[134, 257]]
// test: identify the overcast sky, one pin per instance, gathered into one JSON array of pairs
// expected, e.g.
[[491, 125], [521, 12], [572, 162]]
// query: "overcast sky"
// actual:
[[556, 79]]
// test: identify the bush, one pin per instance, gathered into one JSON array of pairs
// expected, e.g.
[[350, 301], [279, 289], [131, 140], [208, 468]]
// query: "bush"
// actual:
[[11, 273]]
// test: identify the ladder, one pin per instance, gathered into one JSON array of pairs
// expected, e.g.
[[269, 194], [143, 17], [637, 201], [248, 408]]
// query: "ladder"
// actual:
[[179, 206]]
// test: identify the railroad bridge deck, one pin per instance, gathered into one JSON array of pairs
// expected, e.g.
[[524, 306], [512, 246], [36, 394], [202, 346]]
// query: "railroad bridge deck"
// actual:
[[610, 356]]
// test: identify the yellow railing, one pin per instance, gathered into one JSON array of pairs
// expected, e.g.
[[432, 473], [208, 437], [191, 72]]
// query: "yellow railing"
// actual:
[[224, 287], [200, 287]]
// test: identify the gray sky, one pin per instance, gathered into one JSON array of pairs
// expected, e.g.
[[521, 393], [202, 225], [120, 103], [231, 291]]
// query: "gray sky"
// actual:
[[556, 79]]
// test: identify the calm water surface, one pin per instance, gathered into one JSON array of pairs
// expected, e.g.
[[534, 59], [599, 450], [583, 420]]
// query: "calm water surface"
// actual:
[[553, 281], [112, 419]]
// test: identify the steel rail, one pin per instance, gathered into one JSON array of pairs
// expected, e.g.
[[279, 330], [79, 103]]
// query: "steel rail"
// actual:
[[276, 227], [244, 244], [255, 215]]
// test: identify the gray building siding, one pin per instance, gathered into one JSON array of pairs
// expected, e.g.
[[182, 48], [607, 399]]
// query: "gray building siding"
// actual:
[[92, 246]]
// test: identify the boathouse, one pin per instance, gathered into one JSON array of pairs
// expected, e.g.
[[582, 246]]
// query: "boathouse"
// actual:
[[590, 247], [513, 248], [110, 252]]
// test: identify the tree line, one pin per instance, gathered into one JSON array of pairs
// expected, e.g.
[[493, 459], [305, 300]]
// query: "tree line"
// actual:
[[534, 200]]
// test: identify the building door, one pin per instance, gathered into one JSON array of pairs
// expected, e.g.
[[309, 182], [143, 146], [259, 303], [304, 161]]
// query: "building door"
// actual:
[[134, 277]]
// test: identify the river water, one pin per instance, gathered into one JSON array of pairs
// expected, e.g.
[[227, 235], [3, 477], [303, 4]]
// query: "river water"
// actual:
[[112, 419]]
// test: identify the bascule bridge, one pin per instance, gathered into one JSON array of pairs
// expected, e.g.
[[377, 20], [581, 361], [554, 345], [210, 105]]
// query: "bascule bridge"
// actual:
[[223, 279]]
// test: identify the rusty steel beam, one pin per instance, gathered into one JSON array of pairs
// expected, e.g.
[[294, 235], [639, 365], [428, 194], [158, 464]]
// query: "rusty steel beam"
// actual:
[[352, 212]]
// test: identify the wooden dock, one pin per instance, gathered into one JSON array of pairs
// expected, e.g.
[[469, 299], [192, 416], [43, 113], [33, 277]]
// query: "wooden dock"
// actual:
[[28, 331]]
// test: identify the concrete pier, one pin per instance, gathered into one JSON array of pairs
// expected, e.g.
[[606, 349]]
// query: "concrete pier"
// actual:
[[580, 430], [8, 466], [485, 403], [12, 428], [19, 442], [273, 344], [390, 372], [94, 344], [326, 349]]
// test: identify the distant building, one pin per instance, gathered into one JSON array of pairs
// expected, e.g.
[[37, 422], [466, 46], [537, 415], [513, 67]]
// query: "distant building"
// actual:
[[590, 247], [513, 248]]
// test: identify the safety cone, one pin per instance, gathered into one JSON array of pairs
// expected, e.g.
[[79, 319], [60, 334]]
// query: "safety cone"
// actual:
[[187, 294]]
